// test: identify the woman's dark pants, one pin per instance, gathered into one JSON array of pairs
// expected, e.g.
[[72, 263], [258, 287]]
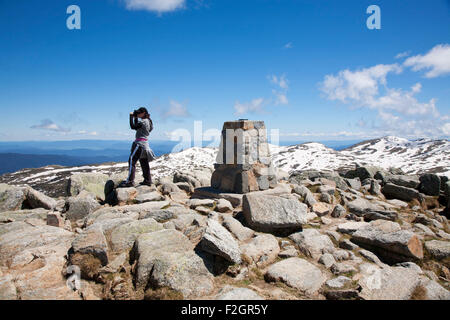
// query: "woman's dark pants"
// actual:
[[136, 152]]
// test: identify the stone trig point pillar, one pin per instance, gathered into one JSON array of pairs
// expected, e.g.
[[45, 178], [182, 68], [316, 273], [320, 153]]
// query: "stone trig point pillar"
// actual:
[[243, 163]]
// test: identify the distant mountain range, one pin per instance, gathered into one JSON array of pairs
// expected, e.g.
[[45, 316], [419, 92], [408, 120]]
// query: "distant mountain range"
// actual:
[[15, 156], [11, 162], [34, 154], [413, 157]]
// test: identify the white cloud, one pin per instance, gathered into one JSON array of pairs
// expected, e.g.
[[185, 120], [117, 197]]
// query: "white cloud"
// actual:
[[281, 81], [256, 105], [84, 132], [446, 128], [176, 110], [357, 86], [436, 61], [289, 134], [123, 134], [361, 88], [402, 55], [405, 103], [418, 127], [288, 45], [281, 93], [168, 134], [281, 98], [399, 111], [159, 6], [48, 124]]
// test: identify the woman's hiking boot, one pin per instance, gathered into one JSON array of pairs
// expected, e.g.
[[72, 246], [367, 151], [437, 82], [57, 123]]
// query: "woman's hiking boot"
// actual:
[[145, 183], [125, 184]]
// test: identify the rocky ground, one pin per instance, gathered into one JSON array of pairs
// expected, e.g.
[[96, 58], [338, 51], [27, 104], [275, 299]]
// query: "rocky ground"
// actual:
[[366, 233]]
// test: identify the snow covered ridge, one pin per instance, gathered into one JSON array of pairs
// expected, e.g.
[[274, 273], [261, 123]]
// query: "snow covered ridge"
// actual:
[[413, 157], [416, 156]]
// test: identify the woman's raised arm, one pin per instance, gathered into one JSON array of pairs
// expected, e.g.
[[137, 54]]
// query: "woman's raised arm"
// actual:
[[134, 124]]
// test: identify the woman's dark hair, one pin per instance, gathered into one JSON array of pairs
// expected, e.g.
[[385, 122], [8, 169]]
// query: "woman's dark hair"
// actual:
[[141, 110]]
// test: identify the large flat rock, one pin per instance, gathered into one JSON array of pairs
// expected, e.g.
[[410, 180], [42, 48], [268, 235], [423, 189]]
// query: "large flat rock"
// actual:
[[33, 259], [15, 198], [11, 197], [352, 226], [234, 293], [123, 237], [237, 229], [388, 283], [21, 215], [166, 258], [211, 193], [87, 181], [273, 214], [438, 249], [403, 180], [36, 199], [297, 273], [370, 211], [261, 250], [81, 206], [218, 241], [392, 191], [397, 246], [312, 243], [92, 242]]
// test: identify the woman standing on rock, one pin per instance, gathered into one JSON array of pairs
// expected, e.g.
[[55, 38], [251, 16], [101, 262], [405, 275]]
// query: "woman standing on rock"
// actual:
[[140, 149]]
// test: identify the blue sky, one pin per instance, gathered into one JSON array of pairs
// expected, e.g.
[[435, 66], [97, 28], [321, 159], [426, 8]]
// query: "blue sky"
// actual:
[[311, 69]]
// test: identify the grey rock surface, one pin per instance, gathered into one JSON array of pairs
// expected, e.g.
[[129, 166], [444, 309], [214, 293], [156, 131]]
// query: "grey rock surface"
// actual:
[[271, 213], [297, 273], [218, 241], [312, 243]]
